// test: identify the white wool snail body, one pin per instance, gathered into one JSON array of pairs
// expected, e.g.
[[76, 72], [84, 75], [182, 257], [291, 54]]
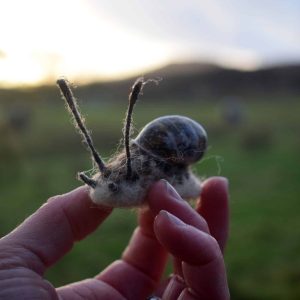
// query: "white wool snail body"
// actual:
[[164, 149]]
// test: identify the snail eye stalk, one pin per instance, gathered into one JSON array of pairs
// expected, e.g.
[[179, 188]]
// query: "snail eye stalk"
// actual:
[[89, 181], [79, 121], [135, 91]]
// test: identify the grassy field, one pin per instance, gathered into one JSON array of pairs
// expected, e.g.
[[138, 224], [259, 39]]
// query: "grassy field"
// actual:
[[260, 157]]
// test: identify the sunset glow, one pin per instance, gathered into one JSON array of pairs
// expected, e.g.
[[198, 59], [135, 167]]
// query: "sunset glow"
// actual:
[[41, 47], [91, 40]]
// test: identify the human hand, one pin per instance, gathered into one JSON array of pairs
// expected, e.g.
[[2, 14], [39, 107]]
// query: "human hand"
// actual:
[[195, 238], [50, 233]]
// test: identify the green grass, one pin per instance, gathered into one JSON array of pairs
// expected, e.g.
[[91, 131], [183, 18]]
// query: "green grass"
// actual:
[[260, 158]]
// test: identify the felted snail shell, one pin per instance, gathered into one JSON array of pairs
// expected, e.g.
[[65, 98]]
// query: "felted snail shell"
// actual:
[[176, 139]]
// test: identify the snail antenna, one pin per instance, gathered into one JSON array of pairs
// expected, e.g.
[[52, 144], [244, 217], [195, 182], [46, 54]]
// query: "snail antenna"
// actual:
[[133, 97], [89, 181], [66, 91]]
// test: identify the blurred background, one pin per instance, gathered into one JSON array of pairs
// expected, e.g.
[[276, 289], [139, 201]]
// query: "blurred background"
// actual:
[[234, 66]]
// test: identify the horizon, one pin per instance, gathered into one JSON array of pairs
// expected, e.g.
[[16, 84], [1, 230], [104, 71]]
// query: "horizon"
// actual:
[[131, 76]]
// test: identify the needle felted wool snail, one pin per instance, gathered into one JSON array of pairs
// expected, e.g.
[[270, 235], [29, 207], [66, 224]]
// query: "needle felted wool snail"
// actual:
[[164, 149]]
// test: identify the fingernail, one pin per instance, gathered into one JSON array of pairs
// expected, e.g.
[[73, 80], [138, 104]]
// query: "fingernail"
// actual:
[[171, 190], [171, 218]]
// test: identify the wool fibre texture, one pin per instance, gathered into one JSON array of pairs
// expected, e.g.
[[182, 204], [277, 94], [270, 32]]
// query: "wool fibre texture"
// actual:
[[146, 170]]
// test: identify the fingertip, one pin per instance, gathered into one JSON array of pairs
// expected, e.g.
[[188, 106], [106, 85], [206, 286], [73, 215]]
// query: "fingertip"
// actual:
[[163, 197], [213, 206], [81, 192], [184, 241], [157, 186], [165, 225], [216, 184], [160, 190], [79, 203], [167, 218]]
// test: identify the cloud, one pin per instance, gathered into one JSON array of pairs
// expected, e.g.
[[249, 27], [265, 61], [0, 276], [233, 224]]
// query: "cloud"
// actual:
[[264, 28]]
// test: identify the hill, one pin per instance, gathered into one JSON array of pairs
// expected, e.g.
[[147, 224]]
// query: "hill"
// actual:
[[188, 82], [196, 81]]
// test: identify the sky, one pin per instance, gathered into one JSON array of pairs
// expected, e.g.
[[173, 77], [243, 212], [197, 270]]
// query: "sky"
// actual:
[[88, 40]]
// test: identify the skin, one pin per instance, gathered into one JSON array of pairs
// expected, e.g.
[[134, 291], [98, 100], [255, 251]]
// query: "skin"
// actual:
[[194, 237]]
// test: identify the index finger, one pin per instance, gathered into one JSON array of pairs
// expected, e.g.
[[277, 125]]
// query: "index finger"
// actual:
[[51, 231]]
